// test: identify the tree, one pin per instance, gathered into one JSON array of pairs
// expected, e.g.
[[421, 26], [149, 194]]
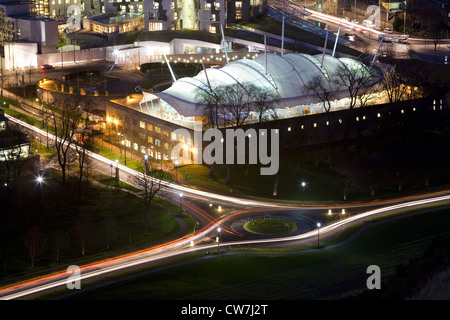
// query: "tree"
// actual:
[[34, 243], [231, 105], [149, 182], [357, 81], [66, 116], [322, 90], [82, 143], [393, 82], [60, 241]]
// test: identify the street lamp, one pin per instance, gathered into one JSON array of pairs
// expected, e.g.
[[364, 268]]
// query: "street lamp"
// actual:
[[318, 230], [218, 238], [343, 213], [117, 170], [303, 185], [146, 164]]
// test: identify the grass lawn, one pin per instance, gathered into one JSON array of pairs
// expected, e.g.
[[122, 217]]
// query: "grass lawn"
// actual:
[[324, 274], [270, 226]]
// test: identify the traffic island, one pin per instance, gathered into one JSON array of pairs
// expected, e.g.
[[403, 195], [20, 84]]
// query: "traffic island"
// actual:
[[270, 226]]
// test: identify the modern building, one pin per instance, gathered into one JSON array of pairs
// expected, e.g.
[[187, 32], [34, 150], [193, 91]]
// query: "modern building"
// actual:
[[16, 157], [61, 9], [19, 23], [146, 123], [283, 77], [114, 22], [205, 15], [244, 10]]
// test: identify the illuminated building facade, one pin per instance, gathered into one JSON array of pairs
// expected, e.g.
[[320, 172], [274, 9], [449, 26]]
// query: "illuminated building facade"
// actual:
[[205, 15], [20, 23], [244, 10]]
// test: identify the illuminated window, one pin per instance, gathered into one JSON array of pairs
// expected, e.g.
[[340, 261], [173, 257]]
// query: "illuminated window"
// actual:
[[238, 4], [207, 6], [142, 124], [155, 5], [212, 29], [238, 15], [155, 26]]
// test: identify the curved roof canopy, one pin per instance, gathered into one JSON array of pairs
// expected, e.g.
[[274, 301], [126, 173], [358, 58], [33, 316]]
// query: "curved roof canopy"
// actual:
[[284, 77]]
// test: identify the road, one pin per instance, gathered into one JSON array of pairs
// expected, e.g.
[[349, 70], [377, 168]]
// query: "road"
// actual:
[[204, 206]]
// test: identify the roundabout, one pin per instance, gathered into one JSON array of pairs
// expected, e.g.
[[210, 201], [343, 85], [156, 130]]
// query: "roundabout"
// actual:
[[270, 226]]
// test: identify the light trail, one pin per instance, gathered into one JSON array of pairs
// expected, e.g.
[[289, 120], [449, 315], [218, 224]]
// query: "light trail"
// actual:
[[169, 250], [176, 187], [182, 246]]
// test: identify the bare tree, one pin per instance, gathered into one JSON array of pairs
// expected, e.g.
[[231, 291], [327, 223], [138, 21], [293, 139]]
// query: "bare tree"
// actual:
[[59, 242], [83, 230], [34, 243], [322, 90], [356, 80], [149, 182], [393, 83], [66, 115]]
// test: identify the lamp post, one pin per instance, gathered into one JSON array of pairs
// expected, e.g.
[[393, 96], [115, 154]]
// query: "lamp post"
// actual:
[[218, 239], [117, 170], [181, 202], [343, 213], [318, 230], [303, 185], [146, 164]]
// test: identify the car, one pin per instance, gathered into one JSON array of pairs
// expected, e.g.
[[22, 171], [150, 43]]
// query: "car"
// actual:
[[46, 66]]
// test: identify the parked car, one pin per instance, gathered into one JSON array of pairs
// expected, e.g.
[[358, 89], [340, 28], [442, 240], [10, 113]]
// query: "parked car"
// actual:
[[46, 67]]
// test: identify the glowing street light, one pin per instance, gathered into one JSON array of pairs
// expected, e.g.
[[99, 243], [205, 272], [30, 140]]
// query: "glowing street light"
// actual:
[[218, 238], [303, 185], [318, 230]]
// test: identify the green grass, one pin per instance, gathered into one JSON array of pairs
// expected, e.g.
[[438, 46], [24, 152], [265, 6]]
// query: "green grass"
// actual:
[[323, 274], [270, 226]]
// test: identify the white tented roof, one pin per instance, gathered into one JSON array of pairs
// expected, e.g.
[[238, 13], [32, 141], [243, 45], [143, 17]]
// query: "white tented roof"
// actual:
[[284, 76]]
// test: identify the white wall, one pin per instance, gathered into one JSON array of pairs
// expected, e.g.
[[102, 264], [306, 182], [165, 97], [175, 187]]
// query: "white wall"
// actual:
[[20, 55]]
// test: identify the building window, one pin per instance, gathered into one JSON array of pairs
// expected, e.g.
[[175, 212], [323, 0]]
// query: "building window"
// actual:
[[217, 5], [212, 29], [150, 139], [142, 124], [238, 15], [155, 5], [142, 136], [135, 146], [238, 4], [207, 6], [157, 129], [155, 26], [157, 142]]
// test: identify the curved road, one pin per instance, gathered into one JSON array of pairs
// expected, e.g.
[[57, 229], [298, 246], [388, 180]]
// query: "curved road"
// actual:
[[205, 207]]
